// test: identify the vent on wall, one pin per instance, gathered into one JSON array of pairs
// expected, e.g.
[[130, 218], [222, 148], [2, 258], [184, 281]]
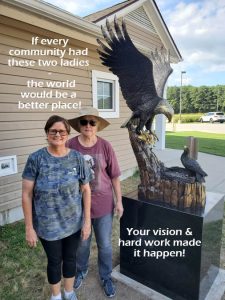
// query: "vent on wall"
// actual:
[[140, 17]]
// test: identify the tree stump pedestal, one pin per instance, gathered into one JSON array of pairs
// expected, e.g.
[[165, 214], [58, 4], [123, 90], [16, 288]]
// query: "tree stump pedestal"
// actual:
[[172, 187]]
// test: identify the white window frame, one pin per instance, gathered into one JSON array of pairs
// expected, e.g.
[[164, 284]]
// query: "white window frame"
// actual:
[[106, 77]]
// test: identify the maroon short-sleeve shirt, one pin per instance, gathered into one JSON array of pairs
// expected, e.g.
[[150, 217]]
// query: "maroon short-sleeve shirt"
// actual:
[[104, 165]]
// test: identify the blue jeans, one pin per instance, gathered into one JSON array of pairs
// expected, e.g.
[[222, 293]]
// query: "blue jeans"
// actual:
[[103, 232]]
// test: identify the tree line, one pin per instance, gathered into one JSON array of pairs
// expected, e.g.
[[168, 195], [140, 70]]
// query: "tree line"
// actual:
[[197, 99]]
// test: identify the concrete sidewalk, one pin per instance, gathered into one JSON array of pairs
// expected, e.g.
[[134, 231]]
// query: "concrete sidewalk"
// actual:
[[213, 165]]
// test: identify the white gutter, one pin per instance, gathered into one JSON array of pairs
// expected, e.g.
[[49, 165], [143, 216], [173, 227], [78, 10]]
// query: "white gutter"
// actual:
[[52, 12]]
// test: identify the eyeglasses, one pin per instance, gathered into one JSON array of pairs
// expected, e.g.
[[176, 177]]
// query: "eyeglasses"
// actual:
[[54, 132], [84, 122]]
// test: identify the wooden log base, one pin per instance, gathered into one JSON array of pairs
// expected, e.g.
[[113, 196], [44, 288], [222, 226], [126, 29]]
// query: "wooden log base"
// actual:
[[172, 187]]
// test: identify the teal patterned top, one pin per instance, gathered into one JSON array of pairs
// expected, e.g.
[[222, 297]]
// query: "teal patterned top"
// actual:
[[57, 199]]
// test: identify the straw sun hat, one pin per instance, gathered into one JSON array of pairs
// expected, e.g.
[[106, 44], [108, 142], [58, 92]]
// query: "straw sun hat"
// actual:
[[88, 111]]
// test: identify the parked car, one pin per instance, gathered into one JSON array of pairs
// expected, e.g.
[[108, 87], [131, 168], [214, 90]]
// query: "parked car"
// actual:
[[213, 117]]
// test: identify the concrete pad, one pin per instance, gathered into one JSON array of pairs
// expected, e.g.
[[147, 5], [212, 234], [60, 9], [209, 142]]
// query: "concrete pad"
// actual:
[[216, 291], [137, 286]]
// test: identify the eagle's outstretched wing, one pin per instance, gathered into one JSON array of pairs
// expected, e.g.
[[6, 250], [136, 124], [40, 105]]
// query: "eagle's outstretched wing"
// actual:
[[161, 68], [135, 70]]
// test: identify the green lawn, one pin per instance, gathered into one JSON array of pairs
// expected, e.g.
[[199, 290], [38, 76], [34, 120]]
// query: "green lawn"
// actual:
[[211, 143], [22, 270]]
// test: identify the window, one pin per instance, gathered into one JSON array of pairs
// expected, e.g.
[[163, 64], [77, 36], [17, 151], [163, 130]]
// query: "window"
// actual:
[[105, 94], [105, 88]]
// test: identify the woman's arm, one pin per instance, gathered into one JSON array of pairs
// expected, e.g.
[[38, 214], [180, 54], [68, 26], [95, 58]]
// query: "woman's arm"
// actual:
[[117, 190], [86, 229], [27, 193]]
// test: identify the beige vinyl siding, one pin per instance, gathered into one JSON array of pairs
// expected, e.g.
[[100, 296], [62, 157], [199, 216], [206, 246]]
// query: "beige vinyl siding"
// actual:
[[143, 36], [21, 131]]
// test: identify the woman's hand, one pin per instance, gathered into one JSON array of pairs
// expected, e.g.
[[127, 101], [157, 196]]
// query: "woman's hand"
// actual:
[[86, 231], [118, 210], [27, 194], [31, 237]]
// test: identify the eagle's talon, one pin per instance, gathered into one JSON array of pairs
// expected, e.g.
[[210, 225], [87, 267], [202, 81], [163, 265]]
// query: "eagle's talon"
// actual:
[[148, 138], [155, 136], [138, 131]]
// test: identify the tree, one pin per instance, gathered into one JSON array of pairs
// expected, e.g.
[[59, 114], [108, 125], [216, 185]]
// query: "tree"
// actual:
[[173, 96], [197, 99]]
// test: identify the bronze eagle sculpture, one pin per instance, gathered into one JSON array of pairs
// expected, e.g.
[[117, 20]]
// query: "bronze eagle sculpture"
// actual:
[[136, 76], [193, 166]]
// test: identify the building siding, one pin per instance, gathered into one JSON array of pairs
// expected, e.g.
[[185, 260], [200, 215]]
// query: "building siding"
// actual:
[[21, 131]]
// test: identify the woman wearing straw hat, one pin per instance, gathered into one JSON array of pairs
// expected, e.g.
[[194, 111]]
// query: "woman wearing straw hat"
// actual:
[[102, 160]]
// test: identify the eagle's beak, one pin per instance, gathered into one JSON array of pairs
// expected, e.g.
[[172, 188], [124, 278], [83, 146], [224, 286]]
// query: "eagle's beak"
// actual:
[[169, 112], [169, 116]]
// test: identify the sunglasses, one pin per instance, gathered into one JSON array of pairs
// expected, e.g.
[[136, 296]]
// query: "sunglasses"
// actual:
[[84, 122], [54, 132]]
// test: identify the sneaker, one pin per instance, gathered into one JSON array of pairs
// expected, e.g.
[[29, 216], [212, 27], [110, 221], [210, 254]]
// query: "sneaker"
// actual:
[[73, 296], [109, 288], [79, 279]]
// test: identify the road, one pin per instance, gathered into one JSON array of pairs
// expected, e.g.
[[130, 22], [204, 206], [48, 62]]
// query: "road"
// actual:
[[204, 127]]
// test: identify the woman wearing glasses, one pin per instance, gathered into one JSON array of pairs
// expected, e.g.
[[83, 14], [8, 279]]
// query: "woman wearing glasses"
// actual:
[[102, 160], [55, 179]]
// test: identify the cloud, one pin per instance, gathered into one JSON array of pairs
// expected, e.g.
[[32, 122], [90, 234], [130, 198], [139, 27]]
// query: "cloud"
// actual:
[[198, 30], [197, 27]]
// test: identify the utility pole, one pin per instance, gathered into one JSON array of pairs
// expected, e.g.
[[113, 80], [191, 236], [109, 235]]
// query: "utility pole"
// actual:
[[181, 77]]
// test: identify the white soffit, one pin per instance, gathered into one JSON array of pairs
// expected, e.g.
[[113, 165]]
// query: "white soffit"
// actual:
[[140, 18]]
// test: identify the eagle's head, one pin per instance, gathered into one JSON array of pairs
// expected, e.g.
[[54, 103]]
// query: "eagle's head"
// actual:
[[165, 108], [186, 150], [169, 113]]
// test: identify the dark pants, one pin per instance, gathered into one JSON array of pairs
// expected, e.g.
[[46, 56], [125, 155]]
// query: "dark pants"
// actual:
[[61, 256]]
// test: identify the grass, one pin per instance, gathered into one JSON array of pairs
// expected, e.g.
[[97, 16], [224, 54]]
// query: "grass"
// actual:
[[210, 143], [187, 118], [22, 272]]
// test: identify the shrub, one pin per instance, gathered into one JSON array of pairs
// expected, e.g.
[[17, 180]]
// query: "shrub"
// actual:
[[187, 118]]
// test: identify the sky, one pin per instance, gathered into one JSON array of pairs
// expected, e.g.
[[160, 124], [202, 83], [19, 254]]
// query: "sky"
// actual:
[[197, 27]]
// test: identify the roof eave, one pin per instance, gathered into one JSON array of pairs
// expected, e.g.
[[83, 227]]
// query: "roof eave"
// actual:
[[156, 18], [48, 11], [51, 12], [121, 12], [166, 30]]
